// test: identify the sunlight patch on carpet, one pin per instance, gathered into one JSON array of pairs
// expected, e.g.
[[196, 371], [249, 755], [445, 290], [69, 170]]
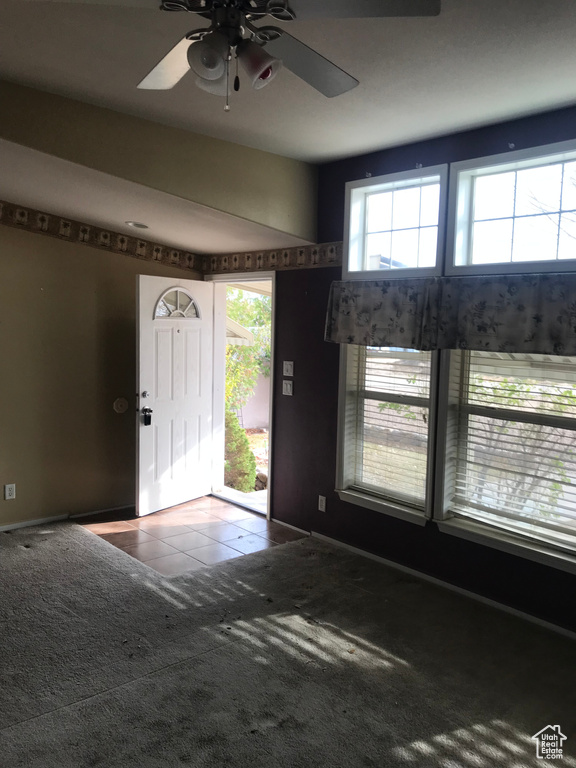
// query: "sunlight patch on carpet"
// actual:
[[477, 746]]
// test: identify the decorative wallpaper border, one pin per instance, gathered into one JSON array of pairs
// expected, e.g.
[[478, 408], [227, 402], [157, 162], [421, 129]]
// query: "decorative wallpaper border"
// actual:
[[303, 257], [40, 223], [75, 232]]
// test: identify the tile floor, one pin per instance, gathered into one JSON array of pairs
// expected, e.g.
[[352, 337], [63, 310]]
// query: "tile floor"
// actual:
[[190, 536]]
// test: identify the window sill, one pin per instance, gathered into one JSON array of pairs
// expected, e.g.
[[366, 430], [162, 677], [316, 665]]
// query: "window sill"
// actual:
[[509, 542], [385, 507], [510, 268], [390, 274]]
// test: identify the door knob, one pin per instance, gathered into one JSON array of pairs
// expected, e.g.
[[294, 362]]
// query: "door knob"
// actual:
[[147, 413]]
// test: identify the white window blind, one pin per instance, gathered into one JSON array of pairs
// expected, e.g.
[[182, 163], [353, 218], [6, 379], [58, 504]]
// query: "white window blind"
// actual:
[[512, 448], [386, 423]]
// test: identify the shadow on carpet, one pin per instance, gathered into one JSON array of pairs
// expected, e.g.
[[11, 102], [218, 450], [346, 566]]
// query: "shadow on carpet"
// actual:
[[301, 655]]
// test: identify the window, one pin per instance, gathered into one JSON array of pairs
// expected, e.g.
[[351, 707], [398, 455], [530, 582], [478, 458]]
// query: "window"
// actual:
[[394, 223], [512, 443], [516, 210], [175, 303], [482, 442], [386, 418]]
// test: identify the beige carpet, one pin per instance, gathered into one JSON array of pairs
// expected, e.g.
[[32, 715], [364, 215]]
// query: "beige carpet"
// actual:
[[302, 655]]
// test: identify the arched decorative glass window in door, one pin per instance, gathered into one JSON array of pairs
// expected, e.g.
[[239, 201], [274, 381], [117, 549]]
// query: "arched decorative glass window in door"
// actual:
[[176, 302]]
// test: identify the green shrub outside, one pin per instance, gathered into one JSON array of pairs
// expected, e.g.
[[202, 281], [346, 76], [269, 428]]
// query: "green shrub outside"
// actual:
[[239, 464], [243, 363]]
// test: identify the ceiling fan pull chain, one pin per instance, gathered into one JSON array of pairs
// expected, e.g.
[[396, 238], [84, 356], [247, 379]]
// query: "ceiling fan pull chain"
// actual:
[[227, 105], [237, 78]]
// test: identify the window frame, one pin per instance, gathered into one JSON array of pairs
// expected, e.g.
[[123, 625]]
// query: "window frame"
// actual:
[[177, 314], [459, 204], [355, 203], [376, 501]]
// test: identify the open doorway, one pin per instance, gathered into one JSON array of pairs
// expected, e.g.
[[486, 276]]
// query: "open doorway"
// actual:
[[248, 356]]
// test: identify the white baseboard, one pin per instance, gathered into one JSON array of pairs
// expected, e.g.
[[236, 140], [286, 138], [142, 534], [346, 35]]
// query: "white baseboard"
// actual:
[[59, 518], [293, 527], [30, 523], [446, 585], [100, 511]]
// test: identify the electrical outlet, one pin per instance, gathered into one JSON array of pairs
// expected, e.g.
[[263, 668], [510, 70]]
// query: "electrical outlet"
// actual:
[[10, 491], [288, 368], [322, 503], [287, 388]]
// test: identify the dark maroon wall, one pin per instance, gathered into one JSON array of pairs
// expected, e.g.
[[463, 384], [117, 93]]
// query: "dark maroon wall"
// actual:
[[546, 128], [304, 450], [304, 447]]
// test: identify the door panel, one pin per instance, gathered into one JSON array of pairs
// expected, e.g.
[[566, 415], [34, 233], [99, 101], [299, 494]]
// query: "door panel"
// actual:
[[175, 370]]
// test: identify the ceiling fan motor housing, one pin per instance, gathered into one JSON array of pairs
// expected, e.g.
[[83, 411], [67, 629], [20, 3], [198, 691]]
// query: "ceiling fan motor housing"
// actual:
[[230, 21]]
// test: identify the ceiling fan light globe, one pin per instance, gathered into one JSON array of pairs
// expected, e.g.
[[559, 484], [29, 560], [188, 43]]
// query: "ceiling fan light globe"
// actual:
[[207, 57], [259, 65], [215, 87], [268, 74]]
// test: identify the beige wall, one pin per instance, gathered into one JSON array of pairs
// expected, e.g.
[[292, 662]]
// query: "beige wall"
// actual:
[[254, 185], [67, 339]]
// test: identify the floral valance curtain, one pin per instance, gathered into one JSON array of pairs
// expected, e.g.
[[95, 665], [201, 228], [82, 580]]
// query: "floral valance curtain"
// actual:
[[500, 313]]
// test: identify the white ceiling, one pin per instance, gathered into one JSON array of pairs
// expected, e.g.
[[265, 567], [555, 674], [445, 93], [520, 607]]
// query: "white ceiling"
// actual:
[[46, 183], [479, 62]]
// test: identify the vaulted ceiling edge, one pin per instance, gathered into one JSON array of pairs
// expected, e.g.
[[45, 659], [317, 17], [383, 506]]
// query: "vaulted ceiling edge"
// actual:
[[41, 223]]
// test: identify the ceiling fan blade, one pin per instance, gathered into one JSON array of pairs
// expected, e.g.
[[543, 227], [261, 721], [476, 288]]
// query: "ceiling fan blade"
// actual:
[[310, 66], [169, 70], [362, 9]]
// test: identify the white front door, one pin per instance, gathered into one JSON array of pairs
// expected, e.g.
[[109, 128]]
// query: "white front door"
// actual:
[[175, 363]]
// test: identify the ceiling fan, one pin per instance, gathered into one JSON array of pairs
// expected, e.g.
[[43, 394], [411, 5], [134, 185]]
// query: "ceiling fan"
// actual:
[[262, 50]]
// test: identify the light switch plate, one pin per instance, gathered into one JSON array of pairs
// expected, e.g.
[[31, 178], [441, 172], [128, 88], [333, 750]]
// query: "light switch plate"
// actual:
[[288, 368], [287, 387]]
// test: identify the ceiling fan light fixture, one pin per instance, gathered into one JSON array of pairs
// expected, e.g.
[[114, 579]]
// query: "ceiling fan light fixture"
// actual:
[[207, 57], [259, 65], [216, 87]]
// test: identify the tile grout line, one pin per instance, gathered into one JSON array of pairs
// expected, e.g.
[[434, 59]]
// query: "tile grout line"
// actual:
[[263, 536]]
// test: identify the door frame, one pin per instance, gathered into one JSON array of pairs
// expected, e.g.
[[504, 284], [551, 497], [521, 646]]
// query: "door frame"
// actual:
[[220, 369]]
